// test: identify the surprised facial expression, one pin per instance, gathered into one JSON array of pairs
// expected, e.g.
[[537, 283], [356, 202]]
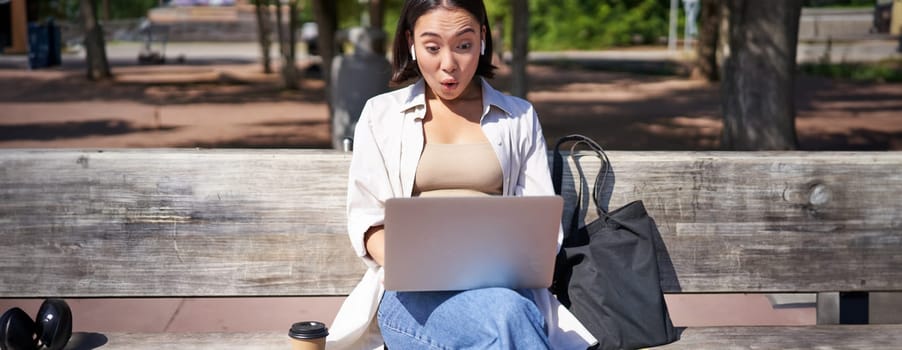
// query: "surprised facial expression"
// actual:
[[447, 46]]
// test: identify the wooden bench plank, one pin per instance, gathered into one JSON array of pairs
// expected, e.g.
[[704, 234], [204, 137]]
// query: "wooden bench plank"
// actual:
[[716, 338], [797, 337], [771, 221], [271, 222], [155, 341], [174, 223]]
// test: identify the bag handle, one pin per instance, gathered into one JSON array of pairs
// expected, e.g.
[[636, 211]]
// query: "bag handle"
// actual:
[[600, 180]]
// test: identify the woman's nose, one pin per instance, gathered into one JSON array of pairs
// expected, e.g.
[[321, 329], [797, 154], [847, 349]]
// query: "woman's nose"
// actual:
[[449, 63]]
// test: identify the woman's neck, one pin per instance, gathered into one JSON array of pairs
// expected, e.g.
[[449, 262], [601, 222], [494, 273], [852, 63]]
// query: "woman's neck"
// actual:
[[467, 106]]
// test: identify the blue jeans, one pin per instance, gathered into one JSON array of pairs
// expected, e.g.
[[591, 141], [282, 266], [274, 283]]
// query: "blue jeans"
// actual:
[[489, 318]]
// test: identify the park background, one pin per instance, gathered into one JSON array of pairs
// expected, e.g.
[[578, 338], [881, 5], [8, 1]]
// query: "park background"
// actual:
[[606, 69]]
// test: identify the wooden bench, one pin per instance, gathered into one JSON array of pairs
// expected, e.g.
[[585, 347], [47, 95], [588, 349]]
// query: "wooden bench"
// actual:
[[226, 223]]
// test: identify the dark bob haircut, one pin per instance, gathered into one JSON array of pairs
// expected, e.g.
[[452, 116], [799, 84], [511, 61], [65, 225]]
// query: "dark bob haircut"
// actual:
[[403, 68]]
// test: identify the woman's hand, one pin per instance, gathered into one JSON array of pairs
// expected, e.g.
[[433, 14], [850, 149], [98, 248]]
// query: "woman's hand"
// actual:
[[374, 240]]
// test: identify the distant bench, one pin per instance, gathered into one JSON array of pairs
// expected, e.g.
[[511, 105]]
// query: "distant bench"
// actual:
[[245, 223]]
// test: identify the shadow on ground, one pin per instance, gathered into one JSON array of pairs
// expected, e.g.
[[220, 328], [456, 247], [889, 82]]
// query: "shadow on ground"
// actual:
[[70, 130], [157, 85], [626, 111]]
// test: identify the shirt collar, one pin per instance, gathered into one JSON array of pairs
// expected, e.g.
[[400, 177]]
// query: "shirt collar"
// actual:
[[490, 98], [416, 97]]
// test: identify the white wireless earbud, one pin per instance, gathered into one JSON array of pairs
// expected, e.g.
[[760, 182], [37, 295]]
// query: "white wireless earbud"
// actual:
[[413, 54], [482, 49]]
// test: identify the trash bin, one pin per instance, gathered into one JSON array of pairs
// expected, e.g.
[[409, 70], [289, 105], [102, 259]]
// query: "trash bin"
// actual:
[[38, 46], [54, 52], [44, 45], [355, 78], [883, 11]]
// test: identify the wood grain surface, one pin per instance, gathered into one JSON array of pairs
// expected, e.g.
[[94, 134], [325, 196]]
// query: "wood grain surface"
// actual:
[[877, 337], [186, 222]]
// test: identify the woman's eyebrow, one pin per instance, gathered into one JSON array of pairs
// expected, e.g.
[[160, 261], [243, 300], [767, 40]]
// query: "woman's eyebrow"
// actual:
[[459, 33]]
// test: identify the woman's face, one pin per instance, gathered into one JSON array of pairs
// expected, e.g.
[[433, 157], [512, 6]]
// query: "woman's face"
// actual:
[[447, 46]]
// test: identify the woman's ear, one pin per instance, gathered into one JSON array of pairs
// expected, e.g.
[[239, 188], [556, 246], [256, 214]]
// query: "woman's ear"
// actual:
[[413, 53]]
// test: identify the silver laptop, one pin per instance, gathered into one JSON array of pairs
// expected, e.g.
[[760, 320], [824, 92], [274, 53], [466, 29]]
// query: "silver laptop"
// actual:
[[459, 243]]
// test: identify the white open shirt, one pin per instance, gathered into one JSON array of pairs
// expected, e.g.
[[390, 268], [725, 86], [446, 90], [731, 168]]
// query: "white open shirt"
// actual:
[[388, 141]]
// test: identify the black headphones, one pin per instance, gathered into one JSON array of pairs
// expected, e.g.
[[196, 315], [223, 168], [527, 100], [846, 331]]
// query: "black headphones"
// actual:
[[51, 331]]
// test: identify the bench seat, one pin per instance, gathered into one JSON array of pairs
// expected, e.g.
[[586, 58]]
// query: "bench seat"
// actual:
[[791, 337], [873, 337], [250, 223]]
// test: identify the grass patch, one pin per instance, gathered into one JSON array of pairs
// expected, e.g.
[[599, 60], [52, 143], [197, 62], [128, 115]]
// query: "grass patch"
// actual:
[[884, 71]]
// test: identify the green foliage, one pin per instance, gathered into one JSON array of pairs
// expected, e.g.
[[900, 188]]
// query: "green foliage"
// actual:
[[593, 24], [889, 70], [349, 13], [554, 24], [499, 10], [306, 12], [588, 24], [119, 9], [392, 16], [59, 9]]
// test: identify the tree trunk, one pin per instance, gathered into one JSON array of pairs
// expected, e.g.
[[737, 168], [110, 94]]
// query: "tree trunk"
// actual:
[[498, 39], [106, 10], [288, 71], [292, 29], [264, 32], [759, 75], [723, 38], [377, 21], [280, 33], [289, 68], [97, 64], [520, 48], [326, 14], [706, 63]]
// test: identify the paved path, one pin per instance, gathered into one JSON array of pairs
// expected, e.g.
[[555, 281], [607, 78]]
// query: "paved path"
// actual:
[[220, 89], [126, 53]]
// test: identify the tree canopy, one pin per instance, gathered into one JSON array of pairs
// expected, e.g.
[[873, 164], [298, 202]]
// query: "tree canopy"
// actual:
[[591, 24]]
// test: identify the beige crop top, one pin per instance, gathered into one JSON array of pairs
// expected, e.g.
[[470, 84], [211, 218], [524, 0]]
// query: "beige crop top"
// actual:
[[458, 170]]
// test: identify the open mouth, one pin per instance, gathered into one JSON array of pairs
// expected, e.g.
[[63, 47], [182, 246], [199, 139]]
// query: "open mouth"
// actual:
[[449, 84]]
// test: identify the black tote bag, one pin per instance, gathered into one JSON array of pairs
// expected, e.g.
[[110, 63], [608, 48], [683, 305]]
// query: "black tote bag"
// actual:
[[607, 271]]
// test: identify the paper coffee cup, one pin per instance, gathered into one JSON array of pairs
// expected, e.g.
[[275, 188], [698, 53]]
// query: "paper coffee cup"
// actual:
[[308, 335]]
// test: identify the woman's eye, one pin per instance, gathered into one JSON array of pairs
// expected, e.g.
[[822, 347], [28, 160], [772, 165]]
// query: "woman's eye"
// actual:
[[432, 49], [465, 46]]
